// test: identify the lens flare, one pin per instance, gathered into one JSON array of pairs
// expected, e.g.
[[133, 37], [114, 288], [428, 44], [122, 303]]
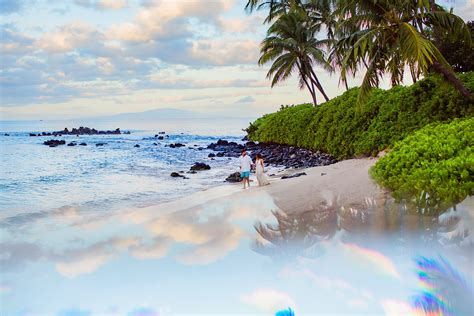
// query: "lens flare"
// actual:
[[443, 289], [378, 260]]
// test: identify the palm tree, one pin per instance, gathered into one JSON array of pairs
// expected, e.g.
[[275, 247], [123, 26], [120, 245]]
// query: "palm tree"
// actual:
[[385, 36], [276, 8], [291, 45]]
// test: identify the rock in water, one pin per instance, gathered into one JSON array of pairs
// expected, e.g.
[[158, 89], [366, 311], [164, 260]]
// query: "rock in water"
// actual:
[[137, 146], [54, 142], [82, 144], [234, 177], [100, 144], [198, 166], [294, 175], [71, 144], [176, 175]]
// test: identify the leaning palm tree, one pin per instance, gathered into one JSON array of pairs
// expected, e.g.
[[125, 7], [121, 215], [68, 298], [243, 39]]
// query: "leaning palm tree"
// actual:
[[291, 45], [385, 36]]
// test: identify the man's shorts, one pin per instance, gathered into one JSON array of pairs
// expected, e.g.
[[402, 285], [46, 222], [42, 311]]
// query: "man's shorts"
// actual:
[[245, 174]]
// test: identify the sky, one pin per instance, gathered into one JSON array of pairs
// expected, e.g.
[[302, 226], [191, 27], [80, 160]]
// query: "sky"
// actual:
[[84, 58]]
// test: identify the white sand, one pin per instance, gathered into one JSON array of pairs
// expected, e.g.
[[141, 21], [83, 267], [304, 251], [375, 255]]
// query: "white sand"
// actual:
[[347, 180]]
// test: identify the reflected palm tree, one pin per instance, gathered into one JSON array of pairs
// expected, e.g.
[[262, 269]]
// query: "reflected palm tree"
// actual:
[[296, 233], [301, 233]]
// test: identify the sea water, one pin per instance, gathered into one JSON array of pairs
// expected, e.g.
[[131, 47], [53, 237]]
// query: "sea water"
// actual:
[[35, 178]]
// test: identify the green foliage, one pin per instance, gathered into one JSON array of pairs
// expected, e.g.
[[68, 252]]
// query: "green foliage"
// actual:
[[344, 130], [433, 167]]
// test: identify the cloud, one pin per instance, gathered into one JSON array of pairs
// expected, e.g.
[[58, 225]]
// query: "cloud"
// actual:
[[395, 308], [268, 300], [247, 99], [103, 4], [222, 52], [143, 311], [69, 37], [80, 60]]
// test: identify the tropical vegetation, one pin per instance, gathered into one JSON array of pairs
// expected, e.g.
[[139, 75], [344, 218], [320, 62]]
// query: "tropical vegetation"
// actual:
[[377, 37], [433, 167], [344, 130]]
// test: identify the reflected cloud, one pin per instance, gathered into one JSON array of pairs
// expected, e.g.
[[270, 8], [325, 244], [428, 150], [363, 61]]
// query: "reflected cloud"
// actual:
[[268, 300]]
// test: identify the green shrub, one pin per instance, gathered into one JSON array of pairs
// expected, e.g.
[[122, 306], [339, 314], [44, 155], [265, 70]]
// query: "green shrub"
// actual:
[[344, 130], [433, 167]]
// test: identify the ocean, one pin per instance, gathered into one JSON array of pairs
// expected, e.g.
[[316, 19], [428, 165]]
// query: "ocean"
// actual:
[[35, 178]]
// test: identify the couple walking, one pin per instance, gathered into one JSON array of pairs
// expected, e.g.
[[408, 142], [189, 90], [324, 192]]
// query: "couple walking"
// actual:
[[245, 166]]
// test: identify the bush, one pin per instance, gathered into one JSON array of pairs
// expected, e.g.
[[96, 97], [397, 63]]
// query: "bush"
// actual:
[[344, 130], [433, 167]]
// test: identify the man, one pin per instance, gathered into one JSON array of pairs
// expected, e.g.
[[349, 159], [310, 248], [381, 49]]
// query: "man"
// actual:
[[245, 166]]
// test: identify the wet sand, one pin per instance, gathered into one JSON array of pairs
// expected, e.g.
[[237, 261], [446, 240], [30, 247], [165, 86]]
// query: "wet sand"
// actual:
[[347, 181]]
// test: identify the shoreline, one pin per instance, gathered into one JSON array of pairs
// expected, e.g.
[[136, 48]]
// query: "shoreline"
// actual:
[[346, 181]]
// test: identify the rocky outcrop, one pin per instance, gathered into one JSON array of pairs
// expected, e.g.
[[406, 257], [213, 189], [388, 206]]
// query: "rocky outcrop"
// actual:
[[176, 145], [234, 177], [274, 154], [199, 166], [177, 175], [80, 131], [54, 142]]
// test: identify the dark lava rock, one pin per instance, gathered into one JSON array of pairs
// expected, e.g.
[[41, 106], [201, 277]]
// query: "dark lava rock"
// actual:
[[176, 145], [274, 154], [137, 146], [155, 144], [161, 133], [234, 177], [176, 175], [6, 134], [127, 132], [161, 137], [294, 175], [84, 131], [211, 155], [71, 144], [82, 144], [200, 148], [198, 166], [100, 144], [54, 142], [191, 171], [32, 134]]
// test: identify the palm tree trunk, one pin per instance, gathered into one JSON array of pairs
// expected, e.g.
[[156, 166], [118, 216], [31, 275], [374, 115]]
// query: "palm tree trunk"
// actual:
[[450, 77], [318, 84], [311, 91]]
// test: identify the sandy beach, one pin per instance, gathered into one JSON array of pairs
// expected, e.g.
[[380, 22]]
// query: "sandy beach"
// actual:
[[347, 181]]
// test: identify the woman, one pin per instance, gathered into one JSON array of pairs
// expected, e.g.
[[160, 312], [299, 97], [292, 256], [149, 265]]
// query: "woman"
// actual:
[[260, 171]]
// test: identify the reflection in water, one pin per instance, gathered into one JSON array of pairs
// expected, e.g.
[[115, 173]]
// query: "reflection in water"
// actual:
[[333, 259], [295, 234], [298, 233], [354, 228]]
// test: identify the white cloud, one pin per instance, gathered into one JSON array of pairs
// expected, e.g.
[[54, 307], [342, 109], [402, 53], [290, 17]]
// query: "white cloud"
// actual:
[[225, 51], [268, 300], [82, 265], [103, 4], [69, 37]]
